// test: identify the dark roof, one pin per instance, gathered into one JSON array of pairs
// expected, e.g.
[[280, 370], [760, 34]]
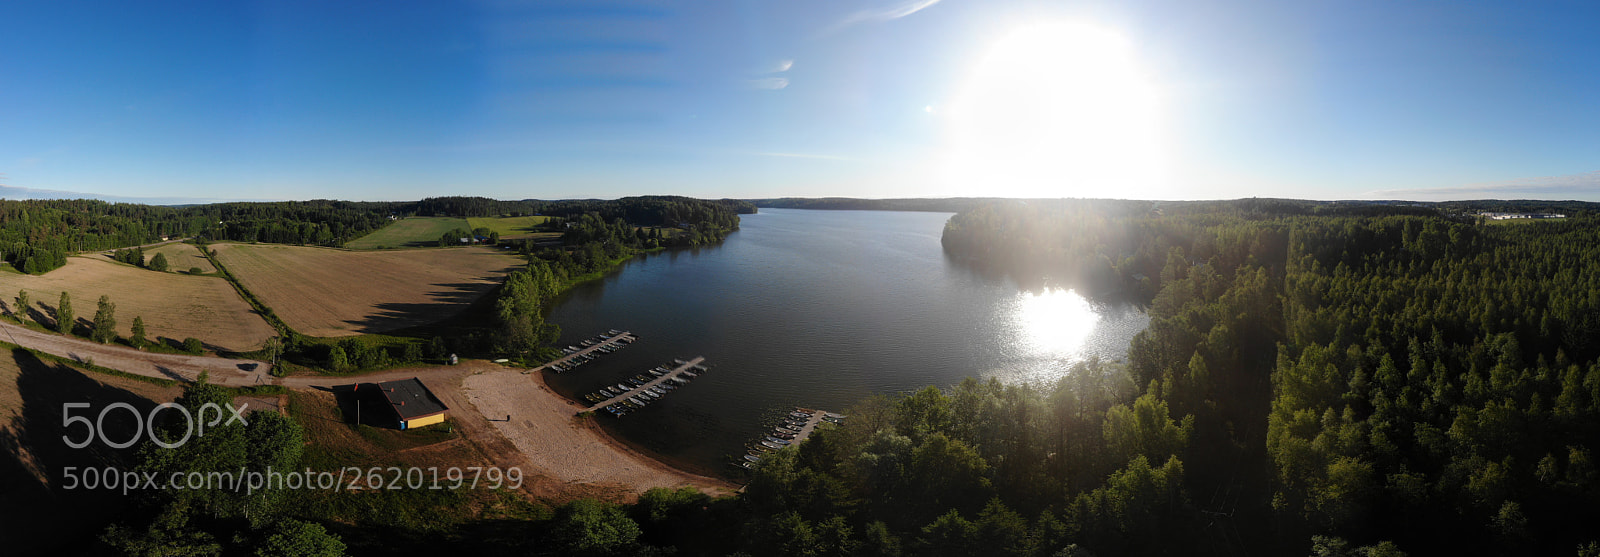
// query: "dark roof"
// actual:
[[411, 399]]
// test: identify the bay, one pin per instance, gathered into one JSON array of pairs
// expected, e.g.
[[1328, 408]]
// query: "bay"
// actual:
[[818, 309]]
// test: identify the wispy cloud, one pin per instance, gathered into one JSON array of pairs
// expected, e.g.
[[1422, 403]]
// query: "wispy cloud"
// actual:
[[1570, 186], [782, 66], [884, 12], [768, 83]]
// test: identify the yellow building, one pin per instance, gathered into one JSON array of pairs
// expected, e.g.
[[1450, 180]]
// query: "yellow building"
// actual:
[[414, 405]]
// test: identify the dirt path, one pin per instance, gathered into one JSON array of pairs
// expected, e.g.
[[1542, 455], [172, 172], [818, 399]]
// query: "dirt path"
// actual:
[[224, 371]]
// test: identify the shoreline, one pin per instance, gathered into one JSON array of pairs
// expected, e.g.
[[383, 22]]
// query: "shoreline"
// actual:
[[623, 444], [577, 454]]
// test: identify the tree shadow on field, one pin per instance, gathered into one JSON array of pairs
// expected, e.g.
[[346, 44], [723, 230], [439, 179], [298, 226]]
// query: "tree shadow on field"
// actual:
[[41, 516], [179, 377], [42, 314], [448, 300]]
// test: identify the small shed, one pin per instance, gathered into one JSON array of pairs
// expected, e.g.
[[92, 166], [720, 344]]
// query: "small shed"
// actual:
[[414, 405]]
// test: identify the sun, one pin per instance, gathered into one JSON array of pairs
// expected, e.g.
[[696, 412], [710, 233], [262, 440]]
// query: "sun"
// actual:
[[1057, 110]]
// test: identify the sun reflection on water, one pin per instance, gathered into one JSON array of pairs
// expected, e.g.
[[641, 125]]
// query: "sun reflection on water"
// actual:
[[1055, 323]]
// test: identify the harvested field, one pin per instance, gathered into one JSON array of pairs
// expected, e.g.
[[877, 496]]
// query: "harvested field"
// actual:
[[328, 292], [173, 305], [512, 227], [409, 232], [181, 257]]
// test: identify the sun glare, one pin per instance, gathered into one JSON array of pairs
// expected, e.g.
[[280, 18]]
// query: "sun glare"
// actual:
[[1057, 110], [1055, 322]]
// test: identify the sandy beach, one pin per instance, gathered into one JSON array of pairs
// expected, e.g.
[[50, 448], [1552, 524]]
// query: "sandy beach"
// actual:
[[570, 450]]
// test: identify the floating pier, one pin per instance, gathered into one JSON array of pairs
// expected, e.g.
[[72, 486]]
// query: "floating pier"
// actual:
[[577, 355], [815, 418], [682, 369], [795, 428]]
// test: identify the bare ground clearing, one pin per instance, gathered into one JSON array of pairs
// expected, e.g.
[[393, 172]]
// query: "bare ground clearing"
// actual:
[[172, 305], [330, 292]]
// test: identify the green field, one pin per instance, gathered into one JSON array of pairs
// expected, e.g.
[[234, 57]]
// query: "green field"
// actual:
[[510, 227], [409, 232]]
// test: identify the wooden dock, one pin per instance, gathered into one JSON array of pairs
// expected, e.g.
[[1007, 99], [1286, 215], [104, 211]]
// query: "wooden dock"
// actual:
[[615, 339], [651, 383], [811, 425]]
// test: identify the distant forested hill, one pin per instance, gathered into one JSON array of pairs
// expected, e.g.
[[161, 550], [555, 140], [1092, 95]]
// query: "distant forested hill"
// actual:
[[37, 235], [949, 205]]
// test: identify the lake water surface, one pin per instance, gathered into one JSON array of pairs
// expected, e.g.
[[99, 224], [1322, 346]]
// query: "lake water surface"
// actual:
[[818, 309]]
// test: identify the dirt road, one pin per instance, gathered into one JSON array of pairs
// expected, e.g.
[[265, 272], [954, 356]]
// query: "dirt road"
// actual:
[[224, 371]]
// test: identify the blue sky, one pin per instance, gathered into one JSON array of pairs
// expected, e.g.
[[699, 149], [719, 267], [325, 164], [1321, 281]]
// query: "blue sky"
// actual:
[[403, 100]]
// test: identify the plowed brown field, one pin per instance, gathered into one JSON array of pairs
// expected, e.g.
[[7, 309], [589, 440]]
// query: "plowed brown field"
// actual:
[[330, 292]]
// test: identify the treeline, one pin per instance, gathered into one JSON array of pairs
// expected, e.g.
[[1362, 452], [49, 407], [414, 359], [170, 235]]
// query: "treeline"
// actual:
[[36, 236], [636, 206], [590, 245]]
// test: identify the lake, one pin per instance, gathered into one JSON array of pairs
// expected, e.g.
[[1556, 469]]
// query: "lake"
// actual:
[[818, 309]]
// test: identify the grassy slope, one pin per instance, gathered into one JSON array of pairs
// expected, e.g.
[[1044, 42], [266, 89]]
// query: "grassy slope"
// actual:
[[181, 257], [173, 305], [413, 232], [509, 227]]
